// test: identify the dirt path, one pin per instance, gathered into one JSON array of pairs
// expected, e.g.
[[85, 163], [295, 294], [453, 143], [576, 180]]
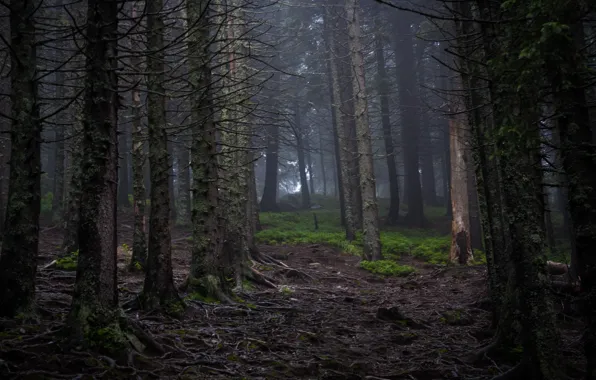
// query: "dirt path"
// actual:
[[338, 322]]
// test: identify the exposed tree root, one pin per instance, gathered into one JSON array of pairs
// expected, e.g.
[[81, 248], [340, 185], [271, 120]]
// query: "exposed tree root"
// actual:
[[514, 373], [209, 288]]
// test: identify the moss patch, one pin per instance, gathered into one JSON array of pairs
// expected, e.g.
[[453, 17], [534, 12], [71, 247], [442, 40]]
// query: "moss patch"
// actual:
[[387, 268], [68, 262]]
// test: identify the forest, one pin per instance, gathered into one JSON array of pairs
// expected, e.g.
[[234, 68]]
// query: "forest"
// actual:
[[298, 189]]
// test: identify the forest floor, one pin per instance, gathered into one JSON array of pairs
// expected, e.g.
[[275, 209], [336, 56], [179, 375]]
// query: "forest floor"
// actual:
[[335, 321]]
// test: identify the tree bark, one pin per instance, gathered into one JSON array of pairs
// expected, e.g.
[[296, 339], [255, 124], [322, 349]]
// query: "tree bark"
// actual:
[[206, 276], [95, 299], [158, 289], [342, 138], [58, 185], [383, 87], [269, 198], [18, 262], [123, 189], [139, 240], [322, 162], [370, 213], [183, 181], [304, 193], [461, 245]]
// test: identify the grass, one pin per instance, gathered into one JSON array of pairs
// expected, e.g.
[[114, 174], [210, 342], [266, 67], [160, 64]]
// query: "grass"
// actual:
[[293, 228], [387, 268]]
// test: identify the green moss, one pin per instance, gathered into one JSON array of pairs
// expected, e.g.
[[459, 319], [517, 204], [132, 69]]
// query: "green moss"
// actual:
[[286, 290], [175, 308], [68, 262], [196, 296], [46, 203], [108, 339], [387, 268]]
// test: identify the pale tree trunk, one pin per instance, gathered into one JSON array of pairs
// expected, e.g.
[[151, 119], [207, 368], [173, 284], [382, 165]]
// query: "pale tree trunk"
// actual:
[[370, 213], [307, 151], [322, 162], [335, 120], [304, 192], [461, 245], [18, 263], [205, 276], [95, 299], [383, 86], [235, 141], [158, 289], [139, 240], [343, 143]]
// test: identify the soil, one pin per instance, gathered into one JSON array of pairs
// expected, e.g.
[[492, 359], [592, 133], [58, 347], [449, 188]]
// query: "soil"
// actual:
[[328, 319]]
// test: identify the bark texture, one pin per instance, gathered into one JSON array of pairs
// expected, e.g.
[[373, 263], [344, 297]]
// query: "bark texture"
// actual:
[[370, 212], [18, 263], [139, 240], [95, 300], [158, 289], [383, 88]]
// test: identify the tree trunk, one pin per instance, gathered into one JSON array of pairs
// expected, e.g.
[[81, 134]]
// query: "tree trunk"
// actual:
[[58, 185], [183, 181], [172, 173], [206, 276], [473, 208], [577, 153], [370, 213], [383, 87], [408, 98], [139, 240], [95, 300], [158, 289], [123, 153], [429, 191], [461, 245], [311, 182], [305, 194], [269, 198], [322, 162], [342, 138], [18, 263], [335, 120]]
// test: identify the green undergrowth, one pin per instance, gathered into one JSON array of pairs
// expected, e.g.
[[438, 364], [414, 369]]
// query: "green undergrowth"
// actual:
[[387, 268], [68, 262], [295, 228]]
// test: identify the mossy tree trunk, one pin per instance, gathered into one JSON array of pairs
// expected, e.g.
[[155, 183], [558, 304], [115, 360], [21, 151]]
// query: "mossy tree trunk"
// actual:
[[158, 289], [578, 155], [18, 263], [139, 240], [383, 88], [95, 299], [370, 212], [206, 274]]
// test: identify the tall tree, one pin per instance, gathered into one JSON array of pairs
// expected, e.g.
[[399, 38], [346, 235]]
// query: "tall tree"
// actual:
[[342, 142], [370, 212], [158, 289], [95, 299], [18, 263], [139, 241], [299, 133], [383, 88], [206, 275]]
